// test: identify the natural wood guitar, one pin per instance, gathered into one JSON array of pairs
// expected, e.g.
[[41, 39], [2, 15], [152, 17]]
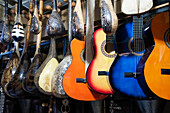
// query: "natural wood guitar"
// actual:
[[157, 66], [98, 70]]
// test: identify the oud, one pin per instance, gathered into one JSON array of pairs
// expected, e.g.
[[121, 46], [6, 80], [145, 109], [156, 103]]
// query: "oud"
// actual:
[[35, 23], [43, 77], [6, 35], [28, 82], [14, 86], [18, 29]]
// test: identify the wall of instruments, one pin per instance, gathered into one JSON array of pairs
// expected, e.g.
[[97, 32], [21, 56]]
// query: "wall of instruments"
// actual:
[[86, 50]]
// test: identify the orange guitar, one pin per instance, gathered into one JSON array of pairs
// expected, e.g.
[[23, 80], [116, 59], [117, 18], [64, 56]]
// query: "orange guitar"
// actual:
[[98, 70], [74, 80], [157, 66]]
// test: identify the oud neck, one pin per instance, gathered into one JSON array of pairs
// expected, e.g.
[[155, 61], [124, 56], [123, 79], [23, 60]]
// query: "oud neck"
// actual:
[[137, 27], [54, 5], [6, 8], [52, 50], [19, 7]]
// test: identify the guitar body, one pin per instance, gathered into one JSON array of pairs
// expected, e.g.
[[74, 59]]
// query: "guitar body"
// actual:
[[126, 62], [136, 6], [74, 80], [157, 66], [101, 63]]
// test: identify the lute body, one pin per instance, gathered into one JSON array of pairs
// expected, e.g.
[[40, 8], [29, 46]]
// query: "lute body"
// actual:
[[11, 66], [14, 87], [6, 35], [35, 23], [43, 77], [28, 83], [18, 29]]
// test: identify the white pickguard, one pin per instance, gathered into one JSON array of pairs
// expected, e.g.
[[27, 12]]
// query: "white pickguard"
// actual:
[[136, 6]]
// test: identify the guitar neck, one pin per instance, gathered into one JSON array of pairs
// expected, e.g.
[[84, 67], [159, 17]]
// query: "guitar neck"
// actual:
[[137, 27]]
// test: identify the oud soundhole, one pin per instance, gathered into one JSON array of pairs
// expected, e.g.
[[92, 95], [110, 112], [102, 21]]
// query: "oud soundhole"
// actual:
[[167, 37], [138, 45]]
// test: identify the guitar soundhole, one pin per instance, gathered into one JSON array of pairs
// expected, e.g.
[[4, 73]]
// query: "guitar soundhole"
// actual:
[[167, 38], [107, 49], [138, 45]]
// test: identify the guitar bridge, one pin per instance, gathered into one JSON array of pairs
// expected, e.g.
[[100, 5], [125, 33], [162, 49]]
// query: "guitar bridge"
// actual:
[[165, 71], [103, 73], [131, 74], [81, 80]]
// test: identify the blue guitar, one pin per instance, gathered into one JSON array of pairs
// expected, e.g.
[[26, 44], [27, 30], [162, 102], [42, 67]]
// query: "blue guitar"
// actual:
[[130, 48]]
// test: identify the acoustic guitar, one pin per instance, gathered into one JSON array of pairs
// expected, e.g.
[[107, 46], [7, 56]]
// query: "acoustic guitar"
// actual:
[[74, 80], [157, 66], [28, 82], [14, 86], [6, 35], [98, 70], [130, 47], [18, 29], [136, 6], [43, 77]]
